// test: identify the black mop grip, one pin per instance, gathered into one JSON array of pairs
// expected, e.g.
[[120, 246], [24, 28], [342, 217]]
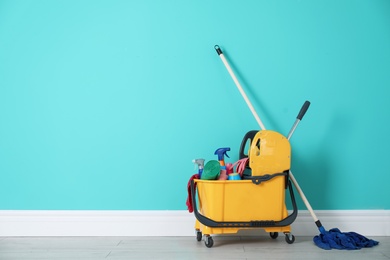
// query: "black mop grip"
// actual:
[[303, 110], [219, 51], [318, 223]]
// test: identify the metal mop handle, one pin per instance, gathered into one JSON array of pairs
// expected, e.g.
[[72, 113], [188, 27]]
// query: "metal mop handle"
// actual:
[[300, 115]]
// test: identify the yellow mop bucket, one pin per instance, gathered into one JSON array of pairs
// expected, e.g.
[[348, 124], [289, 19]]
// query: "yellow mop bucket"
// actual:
[[257, 202]]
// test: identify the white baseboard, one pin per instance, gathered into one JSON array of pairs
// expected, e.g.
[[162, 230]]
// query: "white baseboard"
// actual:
[[170, 223]]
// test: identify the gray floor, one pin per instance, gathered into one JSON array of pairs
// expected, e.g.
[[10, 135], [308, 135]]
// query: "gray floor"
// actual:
[[225, 247]]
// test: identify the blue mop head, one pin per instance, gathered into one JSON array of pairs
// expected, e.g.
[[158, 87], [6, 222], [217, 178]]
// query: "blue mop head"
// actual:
[[342, 240]]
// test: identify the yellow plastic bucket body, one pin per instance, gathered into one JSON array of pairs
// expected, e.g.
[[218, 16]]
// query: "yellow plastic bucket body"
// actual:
[[270, 152], [241, 200]]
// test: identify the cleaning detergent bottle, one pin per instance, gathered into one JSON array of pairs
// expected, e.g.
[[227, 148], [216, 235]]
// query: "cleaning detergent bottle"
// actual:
[[229, 168], [221, 152], [200, 163]]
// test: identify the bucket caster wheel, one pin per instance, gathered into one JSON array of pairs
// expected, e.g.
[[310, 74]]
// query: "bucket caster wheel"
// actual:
[[274, 235], [289, 238], [198, 235], [208, 241]]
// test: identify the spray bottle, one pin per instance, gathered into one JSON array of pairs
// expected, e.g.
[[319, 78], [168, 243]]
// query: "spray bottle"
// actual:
[[221, 152], [200, 163]]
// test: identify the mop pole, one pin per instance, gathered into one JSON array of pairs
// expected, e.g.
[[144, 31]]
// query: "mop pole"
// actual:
[[248, 102], [262, 127]]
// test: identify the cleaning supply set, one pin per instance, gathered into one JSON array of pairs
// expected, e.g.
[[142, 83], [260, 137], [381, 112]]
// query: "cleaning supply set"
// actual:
[[258, 201], [218, 170]]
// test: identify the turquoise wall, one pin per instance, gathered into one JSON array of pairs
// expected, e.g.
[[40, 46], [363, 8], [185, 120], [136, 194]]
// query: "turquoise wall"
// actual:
[[103, 104]]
